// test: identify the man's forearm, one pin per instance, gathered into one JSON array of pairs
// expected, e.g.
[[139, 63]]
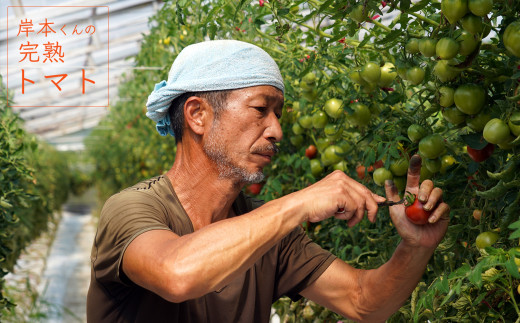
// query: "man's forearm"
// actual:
[[387, 287]]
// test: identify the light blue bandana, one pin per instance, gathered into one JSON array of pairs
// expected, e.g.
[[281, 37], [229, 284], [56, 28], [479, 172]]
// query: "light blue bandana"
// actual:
[[211, 66]]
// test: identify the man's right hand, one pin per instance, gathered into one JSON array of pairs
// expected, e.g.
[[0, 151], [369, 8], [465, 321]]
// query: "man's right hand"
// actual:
[[337, 192]]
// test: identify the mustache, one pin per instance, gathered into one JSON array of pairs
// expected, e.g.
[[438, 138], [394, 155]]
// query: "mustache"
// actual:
[[271, 148]]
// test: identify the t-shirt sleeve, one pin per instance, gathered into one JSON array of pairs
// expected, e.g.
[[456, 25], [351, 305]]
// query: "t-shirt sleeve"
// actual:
[[300, 262], [125, 216]]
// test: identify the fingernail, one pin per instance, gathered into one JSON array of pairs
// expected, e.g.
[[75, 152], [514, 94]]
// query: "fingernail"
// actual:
[[431, 219], [422, 198], [427, 207], [389, 182]]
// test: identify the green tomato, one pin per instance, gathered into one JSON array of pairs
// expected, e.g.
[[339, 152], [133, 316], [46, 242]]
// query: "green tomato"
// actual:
[[412, 46], [478, 121], [416, 132], [297, 129], [361, 116], [433, 165], [472, 24], [334, 108], [388, 75], [342, 166], [305, 121], [432, 146], [515, 128], [425, 174], [319, 120], [296, 106], [486, 239], [381, 175], [512, 38], [445, 72], [468, 43], [427, 47], [446, 96], [355, 77], [447, 48], [446, 162], [400, 183], [453, 10], [415, 75], [359, 13], [322, 143], [296, 140], [332, 155], [401, 71], [345, 146], [310, 96], [453, 115], [316, 168], [470, 98], [480, 7], [496, 131], [399, 167], [309, 78], [370, 72]]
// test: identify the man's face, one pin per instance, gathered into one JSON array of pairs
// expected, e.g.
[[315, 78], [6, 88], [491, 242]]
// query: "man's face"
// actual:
[[242, 138]]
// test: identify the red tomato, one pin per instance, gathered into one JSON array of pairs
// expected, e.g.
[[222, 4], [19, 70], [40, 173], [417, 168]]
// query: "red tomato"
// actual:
[[360, 170], [479, 155], [311, 151], [416, 213], [255, 188]]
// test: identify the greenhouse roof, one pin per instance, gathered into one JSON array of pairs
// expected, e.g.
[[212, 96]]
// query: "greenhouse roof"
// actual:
[[64, 60]]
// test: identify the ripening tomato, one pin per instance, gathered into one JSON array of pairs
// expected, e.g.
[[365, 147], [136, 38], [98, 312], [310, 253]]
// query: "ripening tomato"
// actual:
[[296, 140], [399, 167], [479, 155], [446, 96], [446, 162], [447, 48], [342, 166], [360, 170], [496, 131], [512, 38], [477, 214], [316, 168], [478, 122], [361, 116], [412, 46], [514, 123], [311, 151], [480, 7], [432, 146], [468, 43], [388, 75], [416, 132], [334, 108], [470, 98], [486, 239], [415, 75], [381, 175], [444, 71], [371, 72], [332, 155], [453, 115], [415, 211], [472, 24], [427, 46], [319, 119], [305, 121], [297, 129], [453, 10]]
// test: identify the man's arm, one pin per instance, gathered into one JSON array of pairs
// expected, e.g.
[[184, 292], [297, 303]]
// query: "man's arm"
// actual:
[[374, 295], [186, 267]]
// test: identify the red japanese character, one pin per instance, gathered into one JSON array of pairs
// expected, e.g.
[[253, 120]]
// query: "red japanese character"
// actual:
[[29, 49], [46, 29], [85, 79], [52, 50], [25, 27], [23, 81], [57, 75]]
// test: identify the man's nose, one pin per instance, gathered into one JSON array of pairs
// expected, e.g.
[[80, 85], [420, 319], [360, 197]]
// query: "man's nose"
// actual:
[[273, 132]]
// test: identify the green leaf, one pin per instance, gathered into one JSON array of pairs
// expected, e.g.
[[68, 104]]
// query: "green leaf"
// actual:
[[511, 266], [474, 140], [475, 276], [405, 5], [419, 6]]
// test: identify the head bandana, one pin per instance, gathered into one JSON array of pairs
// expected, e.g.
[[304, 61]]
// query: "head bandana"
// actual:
[[211, 66]]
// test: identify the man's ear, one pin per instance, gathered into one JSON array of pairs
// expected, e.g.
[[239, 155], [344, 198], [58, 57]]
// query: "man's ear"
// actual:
[[197, 113]]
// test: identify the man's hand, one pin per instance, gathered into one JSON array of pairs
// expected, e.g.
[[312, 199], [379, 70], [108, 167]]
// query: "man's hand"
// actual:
[[338, 192], [428, 235]]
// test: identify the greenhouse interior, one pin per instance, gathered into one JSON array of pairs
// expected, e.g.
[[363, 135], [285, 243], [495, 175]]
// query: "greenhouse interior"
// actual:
[[260, 161]]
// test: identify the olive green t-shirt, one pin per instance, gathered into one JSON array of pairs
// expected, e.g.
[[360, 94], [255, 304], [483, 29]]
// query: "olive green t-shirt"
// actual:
[[286, 269]]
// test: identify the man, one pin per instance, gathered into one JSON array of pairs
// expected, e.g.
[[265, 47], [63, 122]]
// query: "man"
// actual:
[[188, 246]]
